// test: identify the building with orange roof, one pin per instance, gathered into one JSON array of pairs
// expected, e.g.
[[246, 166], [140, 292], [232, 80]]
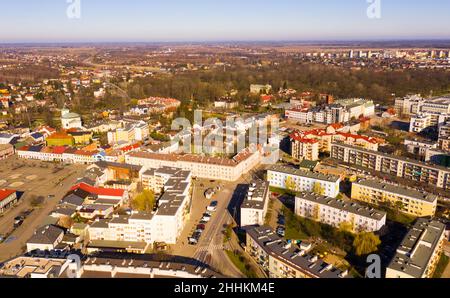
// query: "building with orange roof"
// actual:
[[8, 197], [200, 166]]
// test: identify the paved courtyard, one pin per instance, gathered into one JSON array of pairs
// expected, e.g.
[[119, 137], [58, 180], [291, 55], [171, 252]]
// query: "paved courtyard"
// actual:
[[34, 179]]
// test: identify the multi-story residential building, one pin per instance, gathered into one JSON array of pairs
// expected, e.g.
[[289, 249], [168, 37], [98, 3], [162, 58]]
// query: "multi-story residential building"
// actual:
[[254, 207], [304, 148], [8, 197], [303, 181], [335, 212], [419, 147], [155, 179], [409, 105], [420, 122], [280, 259], [357, 107], [420, 251], [327, 137], [143, 229], [6, 150], [135, 228], [200, 166], [131, 132], [436, 106], [406, 200], [437, 176]]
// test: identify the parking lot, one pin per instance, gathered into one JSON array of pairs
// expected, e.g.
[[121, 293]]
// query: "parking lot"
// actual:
[[43, 185]]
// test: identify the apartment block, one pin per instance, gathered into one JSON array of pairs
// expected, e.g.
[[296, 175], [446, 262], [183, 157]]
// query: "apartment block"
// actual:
[[419, 253], [413, 170], [335, 212], [409, 201], [134, 233], [304, 148], [200, 166], [254, 207], [285, 260], [131, 132], [303, 181]]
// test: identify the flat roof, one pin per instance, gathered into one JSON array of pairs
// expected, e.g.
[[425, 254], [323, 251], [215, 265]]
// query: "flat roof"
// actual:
[[257, 195], [414, 253], [278, 248], [405, 159]]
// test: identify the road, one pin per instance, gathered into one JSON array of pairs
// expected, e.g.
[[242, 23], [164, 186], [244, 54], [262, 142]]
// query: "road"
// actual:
[[36, 181]]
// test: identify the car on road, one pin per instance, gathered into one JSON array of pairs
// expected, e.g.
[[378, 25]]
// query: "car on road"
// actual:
[[213, 206], [51, 196], [281, 231]]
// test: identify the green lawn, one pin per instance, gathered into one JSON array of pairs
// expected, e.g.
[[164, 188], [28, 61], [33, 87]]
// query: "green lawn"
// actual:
[[298, 228], [443, 263], [240, 262]]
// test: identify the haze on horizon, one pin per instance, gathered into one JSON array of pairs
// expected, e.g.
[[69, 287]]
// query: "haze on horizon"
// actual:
[[231, 20]]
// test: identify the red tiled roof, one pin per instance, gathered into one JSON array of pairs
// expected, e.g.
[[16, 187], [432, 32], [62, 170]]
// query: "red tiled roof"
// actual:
[[358, 137], [99, 191], [4, 193], [59, 150]]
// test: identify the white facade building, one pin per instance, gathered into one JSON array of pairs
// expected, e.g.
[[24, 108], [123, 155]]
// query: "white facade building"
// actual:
[[303, 181], [335, 212], [254, 207]]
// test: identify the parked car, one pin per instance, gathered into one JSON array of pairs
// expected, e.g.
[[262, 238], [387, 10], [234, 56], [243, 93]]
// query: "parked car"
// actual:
[[213, 206], [281, 231], [201, 227], [2, 238], [193, 241], [206, 219]]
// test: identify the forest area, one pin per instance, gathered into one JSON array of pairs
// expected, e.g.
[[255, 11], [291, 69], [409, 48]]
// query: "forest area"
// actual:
[[381, 86]]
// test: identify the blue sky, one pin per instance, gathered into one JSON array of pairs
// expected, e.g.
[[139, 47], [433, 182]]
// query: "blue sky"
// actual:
[[221, 20]]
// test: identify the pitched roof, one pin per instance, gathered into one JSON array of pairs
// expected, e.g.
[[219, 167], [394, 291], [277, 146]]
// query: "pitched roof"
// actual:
[[99, 191], [46, 235], [4, 193]]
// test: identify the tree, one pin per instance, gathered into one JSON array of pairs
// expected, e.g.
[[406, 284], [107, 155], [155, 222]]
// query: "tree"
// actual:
[[318, 189], [366, 243], [144, 202], [290, 184], [65, 222], [346, 227]]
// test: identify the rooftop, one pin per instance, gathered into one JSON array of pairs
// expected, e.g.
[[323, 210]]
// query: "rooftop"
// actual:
[[257, 195], [291, 255], [302, 173], [417, 248], [346, 206], [399, 190]]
